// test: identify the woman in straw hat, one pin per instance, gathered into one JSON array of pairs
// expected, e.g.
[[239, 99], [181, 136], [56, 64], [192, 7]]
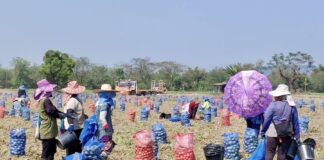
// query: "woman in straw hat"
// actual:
[[103, 112], [48, 113], [280, 123], [73, 106]]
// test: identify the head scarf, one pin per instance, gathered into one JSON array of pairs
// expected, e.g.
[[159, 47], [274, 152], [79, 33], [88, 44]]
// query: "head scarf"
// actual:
[[106, 97]]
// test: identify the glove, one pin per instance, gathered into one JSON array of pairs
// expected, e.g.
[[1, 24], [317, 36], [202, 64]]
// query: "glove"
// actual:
[[105, 126], [61, 115], [71, 128]]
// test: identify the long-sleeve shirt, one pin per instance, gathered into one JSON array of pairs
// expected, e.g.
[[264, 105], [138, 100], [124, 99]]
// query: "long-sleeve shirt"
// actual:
[[278, 112], [50, 109]]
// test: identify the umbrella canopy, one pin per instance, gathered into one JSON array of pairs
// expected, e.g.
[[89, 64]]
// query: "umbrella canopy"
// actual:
[[247, 93]]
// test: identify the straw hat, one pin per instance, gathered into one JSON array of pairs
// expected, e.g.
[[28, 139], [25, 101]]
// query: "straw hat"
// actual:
[[73, 87], [105, 88]]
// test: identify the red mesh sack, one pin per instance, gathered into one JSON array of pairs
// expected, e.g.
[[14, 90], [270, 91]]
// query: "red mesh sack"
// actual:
[[131, 115], [2, 112], [143, 145], [184, 147], [225, 117]]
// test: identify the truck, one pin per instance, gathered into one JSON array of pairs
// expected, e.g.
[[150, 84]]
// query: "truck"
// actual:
[[130, 87]]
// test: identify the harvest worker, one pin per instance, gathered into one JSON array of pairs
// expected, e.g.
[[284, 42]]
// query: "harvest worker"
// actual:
[[48, 113], [21, 101], [103, 114], [206, 104], [193, 107], [72, 106], [280, 123]]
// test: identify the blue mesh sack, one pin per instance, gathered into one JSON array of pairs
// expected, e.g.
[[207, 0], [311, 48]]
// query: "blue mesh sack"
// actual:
[[17, 142], [220, 103], [75, 156], [17, 107], [250, 140], [312, 107], [207, 116], [25, 113], [322, 104], [156, 107], [185, 121], [159, 133], [2, 103], [213, 111], [175, 112], [144, 114], [231, 146], [122, 106], [92, 149], [303, 124], [35, 119]]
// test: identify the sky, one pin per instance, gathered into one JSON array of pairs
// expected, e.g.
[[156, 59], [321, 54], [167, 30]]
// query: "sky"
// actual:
[[203, 33]]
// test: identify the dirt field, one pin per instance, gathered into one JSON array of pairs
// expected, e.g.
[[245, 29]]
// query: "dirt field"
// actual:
[[124, 130]]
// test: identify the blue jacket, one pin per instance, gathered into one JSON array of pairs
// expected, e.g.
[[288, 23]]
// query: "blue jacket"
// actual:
[[278, 112]]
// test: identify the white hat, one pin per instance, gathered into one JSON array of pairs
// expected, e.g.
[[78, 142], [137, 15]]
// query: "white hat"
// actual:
[[105, 88], [281, 90], [290, 100]]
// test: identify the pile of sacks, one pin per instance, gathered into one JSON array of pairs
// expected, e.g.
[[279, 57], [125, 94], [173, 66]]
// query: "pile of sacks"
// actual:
[[231, 146], [17, 142], [143, 145], [185, 121], [250, 140], [159, 133], [184, 147], [303, 124], [144, 114]]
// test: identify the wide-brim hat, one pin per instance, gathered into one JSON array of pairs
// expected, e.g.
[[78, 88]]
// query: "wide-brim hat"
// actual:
[[44, 86], [104, 88], [291, 100], [281, 90], [73, 88]]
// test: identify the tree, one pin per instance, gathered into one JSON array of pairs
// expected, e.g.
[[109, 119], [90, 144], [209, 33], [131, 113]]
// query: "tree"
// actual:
[[170, 72], [291, 67], [21, 72], [81, 70], [98, 75], [57, 67], [143, 70], [217, 75], [119, 72], [194, 78], [317, 79]]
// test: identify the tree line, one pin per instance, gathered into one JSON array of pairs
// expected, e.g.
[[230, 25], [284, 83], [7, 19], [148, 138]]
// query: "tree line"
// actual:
[[295, 69]]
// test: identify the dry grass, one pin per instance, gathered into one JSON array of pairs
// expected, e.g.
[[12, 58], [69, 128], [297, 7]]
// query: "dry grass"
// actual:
[[124, 130]]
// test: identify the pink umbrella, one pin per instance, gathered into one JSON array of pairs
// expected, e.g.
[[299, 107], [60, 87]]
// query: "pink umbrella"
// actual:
[[247, 93]]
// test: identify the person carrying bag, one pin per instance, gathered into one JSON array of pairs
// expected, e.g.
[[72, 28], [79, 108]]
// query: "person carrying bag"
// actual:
[[280, 124]]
